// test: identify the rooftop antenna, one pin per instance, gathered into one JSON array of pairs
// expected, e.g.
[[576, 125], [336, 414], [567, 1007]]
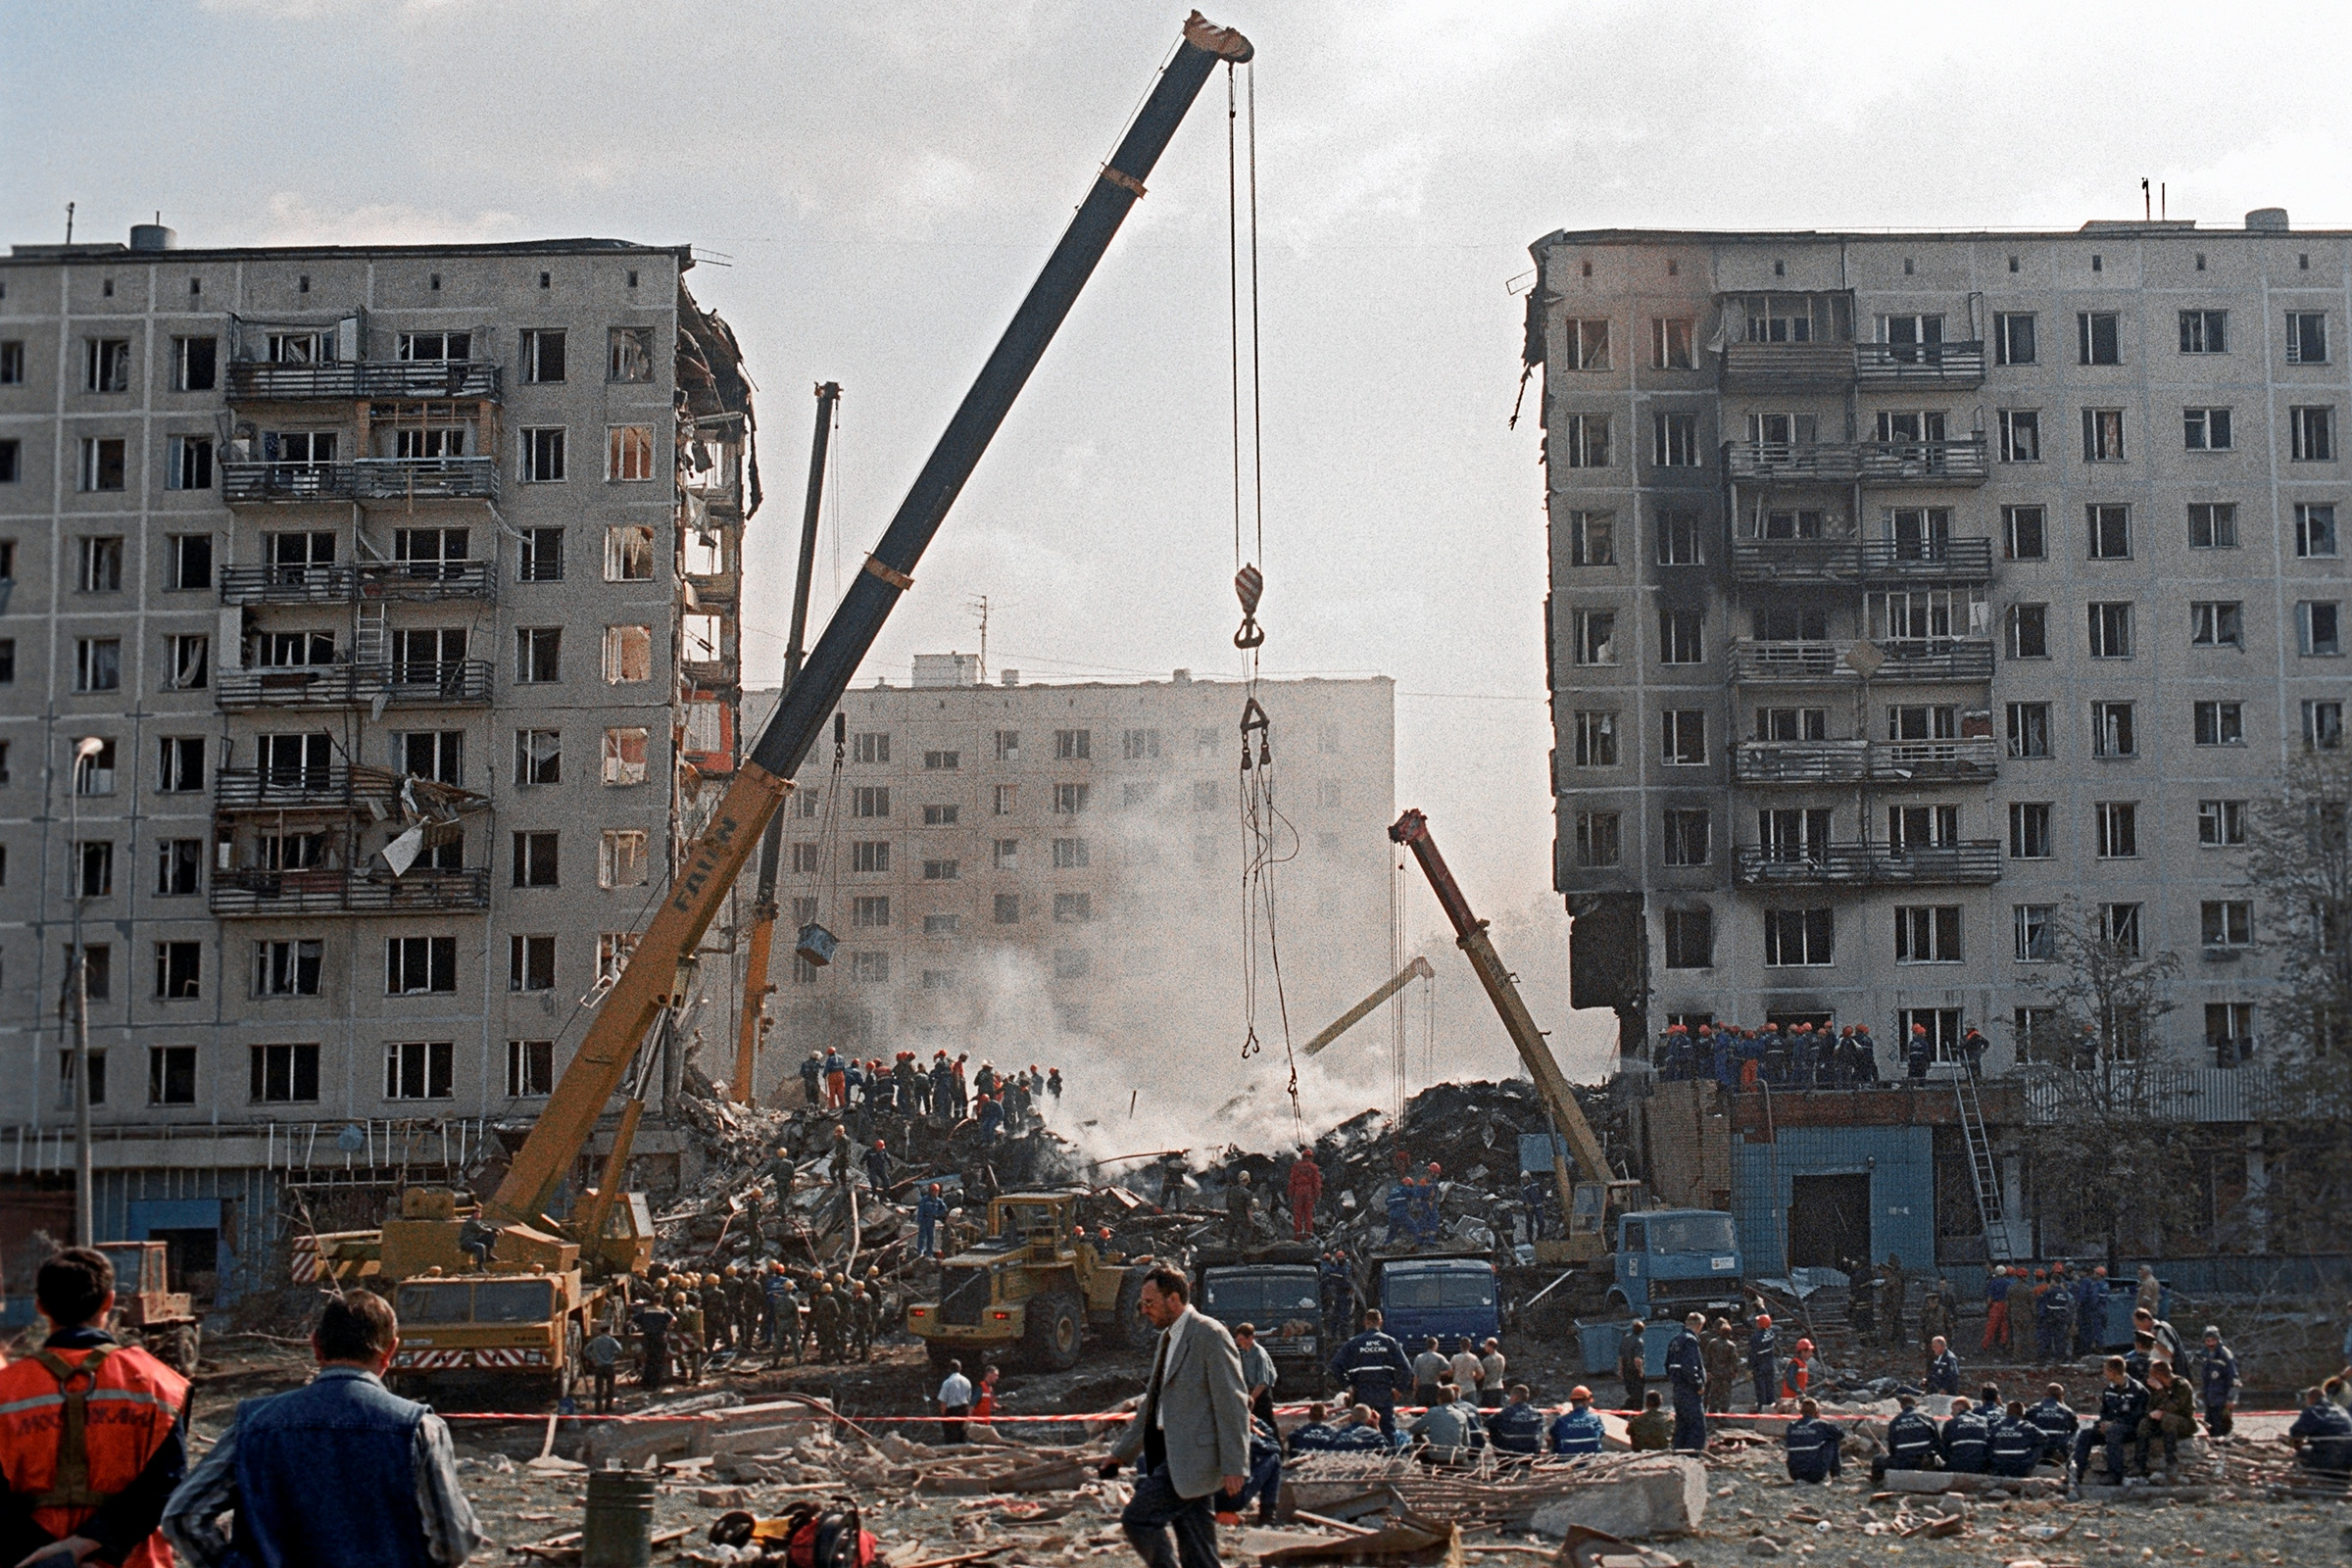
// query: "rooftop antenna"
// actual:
[[2164, 207], [2145, 204], [977, 606], [68, 223]]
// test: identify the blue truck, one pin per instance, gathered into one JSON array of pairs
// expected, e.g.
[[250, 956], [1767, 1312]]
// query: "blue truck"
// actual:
[[1668, 1262], [1451, 1296]]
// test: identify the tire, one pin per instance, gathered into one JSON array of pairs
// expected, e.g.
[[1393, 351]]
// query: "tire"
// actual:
[[1130, 1328], [1055, 1334]]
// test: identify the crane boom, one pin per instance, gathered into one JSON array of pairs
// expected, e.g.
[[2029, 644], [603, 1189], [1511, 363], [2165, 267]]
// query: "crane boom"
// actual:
[[1551, 1085], [650, 979], [1418, 969], [756, 988]]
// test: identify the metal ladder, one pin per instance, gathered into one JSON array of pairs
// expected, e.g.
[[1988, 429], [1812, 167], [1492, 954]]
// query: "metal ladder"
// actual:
[[1991, 1211]]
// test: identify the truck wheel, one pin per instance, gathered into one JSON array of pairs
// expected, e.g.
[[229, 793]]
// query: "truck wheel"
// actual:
[[1133, 1329], [1055, 1334]]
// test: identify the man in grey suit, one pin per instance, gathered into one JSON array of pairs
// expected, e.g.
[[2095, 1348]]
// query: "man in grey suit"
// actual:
[[1191, 1434]]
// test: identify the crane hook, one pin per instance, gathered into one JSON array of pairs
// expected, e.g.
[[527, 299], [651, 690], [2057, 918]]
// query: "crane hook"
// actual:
[[1249, 585]]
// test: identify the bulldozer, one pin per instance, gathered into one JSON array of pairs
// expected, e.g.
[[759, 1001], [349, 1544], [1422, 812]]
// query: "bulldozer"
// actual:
[[1033, 1289], [147, 1310]]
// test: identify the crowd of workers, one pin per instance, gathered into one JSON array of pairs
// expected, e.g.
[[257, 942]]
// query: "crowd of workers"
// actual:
[[1802, 1055], [1004, 1104], [673, 1323]]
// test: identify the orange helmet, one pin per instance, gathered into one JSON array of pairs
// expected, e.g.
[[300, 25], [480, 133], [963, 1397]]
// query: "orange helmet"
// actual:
[[1805, 1346], [1579, 1392], [1763, 1320]]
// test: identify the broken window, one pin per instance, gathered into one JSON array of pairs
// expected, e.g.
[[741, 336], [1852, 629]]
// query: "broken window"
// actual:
[[106, 365], [538, 756], [543, 354], [1596, 839], [1069, 855], [180, 765], [2227, 923], [1794, 938], [102, 463], [194, 364], [1595, 636], [1689, 839], [427, 654], [1588, 343], [1685, 737], [1690, 939], [1591, 539], [2096, 341], [2102, 435], [1792, 723], [2013, 338], [2205, 430], [176, 863], [2318, 629], [1674, 441], [2307, 337], [613, 950], [2021, 435], [2110, 630], [417, 965], [419, 1069], [431, 442], [1584, 440], [1670, 343], [1595, 739], [1678, 539], [188, 462], [870, 856], [628, 655], [1682, 636], [530, 1068], [1927, 933], [2213, 525], [530, 963], [629, 354], [534, 861], [1006, 799], [630, 553], [97, 663], [1070, 799], [543, 456], [539, 556], [2217, 623], [2221, 824], [629, 452], [620, 858], [700, 637], [1074, 745], [2312, 434], [434, 347], [2118, 829], [2204, 331]]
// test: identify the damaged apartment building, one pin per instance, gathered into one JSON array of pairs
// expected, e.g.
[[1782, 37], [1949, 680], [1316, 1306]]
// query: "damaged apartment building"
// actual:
[[1911, 593], [391, 593]]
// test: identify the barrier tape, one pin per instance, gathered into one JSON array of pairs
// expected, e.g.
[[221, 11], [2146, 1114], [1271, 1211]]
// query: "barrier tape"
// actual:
[[1104, 1416]]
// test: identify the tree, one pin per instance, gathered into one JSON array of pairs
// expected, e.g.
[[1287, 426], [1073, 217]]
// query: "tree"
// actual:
[[2111, 1148], [2300, 857]]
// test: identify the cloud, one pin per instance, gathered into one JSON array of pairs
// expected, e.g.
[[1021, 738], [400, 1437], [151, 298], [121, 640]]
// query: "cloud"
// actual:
[[294, 219]]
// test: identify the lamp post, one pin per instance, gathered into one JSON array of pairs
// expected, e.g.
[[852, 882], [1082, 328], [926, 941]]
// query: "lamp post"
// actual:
[[84, 1203]]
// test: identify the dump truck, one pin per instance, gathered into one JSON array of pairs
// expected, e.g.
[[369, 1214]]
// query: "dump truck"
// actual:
[[147, 1310], [1277, 1291], [1032, 1289]]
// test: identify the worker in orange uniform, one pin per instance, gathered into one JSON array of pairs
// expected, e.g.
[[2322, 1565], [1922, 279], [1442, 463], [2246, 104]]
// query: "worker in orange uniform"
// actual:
[[1306, 1193], [91, 1446], [1796, 1373]]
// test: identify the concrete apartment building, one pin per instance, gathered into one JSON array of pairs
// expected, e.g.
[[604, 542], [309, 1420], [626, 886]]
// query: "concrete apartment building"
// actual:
[[398, 587], [1052, 873], [1906, 586]]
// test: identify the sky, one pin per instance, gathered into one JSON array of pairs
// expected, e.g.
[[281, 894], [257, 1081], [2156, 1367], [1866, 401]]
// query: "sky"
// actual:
[[870, 189]]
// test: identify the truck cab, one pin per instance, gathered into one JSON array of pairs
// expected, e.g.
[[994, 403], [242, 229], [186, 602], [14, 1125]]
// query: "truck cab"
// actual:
[[1282, 1300], [1671, 1261], [1449, 1297]]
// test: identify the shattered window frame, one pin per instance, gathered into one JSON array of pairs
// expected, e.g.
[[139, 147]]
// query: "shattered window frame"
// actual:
[[629, 354], [628, 454], [621, 768]]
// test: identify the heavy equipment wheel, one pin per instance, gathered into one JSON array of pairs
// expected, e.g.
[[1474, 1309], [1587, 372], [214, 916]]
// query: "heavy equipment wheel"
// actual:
[[1055, 1333], [1134, 1330]]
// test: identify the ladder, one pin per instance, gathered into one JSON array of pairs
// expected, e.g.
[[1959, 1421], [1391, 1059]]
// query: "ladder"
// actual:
[[1983, 1173]]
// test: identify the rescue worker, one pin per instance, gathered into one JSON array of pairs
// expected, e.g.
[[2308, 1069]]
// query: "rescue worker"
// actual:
[[1861, 1300], [2322, 1435], [1053, 1086], [1578, 1430], [1518, 1427], [1996, 1309], [1491, 1370], [1944, 1367], [719, 1311], [2055, 1420], [842, 1157], [688, 1317], [1428, 1223], [837, 1080], [929, 1211], [1400, 1211], [2167, 1338], [602, 1353], [1812, 1445], [2172, 1415], [1796, 1373], [653, 1322], [1652, 1429], [1967, 1440], [1431, 1369], [2090, 1312], [783, 1316], [1722, 1351], [1936, 1321], [1237, 1229], [1264, 1483], [79, 1486], [811, 1076], [1762, 1360], [1257, 1371], [825, 1322], [865, 1318], [1912, 1441], [1361, 1434], [1307, 1194], [1315, 1435], [1891, 1283], [1375, 1367], [2016, 1445], [2054, 1316], [2218, 1383], [943, 1089], [751, 1307], [1337, 1288], [877, 1167], [990, 1115], [1448, 1430], [1686, 1376], [1633, 1370], [1921, 1055], [2122, 1404]]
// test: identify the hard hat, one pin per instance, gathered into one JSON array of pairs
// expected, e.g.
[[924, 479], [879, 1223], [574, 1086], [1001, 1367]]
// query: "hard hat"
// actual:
[[1805, 1344], [1580, 1392], [1763, 1320], [878, 1143]]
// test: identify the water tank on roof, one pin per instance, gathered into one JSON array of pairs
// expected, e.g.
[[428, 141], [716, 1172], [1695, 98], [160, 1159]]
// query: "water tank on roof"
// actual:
[[153, 237], [2266, 220]]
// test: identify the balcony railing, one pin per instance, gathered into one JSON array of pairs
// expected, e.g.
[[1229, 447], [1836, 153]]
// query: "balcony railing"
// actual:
[[334, 891], [335, 786], [1929, 364], [1769, 367], [364, 480], [1960, 461], [1844, 561], [1765, 662], [1925, 658], [341, 585], [1893, 762], [444, 684], [350, 380], [1971, 862], [1875, 463]]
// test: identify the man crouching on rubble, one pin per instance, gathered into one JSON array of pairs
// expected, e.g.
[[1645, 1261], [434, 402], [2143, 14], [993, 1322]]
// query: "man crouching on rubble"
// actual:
[[1192, 1431]]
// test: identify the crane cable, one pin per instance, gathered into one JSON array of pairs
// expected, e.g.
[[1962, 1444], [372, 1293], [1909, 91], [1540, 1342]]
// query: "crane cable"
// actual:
[[1268, 837]]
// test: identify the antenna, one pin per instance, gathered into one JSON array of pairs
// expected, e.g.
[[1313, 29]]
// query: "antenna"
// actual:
[[2164, 208], [977, 607], [68, 223], [2144, 202]]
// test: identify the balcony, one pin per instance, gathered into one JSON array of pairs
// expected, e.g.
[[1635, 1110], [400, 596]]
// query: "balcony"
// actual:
[[333, 786], [400, 479], [450, 683], [1874, 463], [334, 891], [1786, 366], [1925, 462], [1971, 862], [1858, 561], [1935, 659], [1760, 662], [342, 585], [1973, 760], [352, 380], [1919, 364]]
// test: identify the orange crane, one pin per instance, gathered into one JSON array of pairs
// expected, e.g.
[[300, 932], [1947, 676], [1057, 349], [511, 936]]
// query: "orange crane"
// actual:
[[755, 987]]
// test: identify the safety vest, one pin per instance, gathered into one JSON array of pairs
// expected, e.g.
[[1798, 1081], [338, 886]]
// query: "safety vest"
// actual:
[[78, 1427]]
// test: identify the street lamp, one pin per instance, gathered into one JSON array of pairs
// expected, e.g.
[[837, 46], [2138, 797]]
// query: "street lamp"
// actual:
[[85, 752]]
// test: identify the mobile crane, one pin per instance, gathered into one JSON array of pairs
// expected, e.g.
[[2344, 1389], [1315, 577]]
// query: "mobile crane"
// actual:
[[1584, 1207]]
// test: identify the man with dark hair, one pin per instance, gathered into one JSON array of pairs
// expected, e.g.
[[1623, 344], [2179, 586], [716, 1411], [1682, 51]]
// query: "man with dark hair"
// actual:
[[77, 1486], [2055, 1420], [1912, 1441], [1190, 1433], [2122, 1404], [2322, 1435], [1812, 1445], [1374, 1366], [338, 1474]]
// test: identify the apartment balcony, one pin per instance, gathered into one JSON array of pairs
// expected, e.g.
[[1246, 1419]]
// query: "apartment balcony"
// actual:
[[1972, 761], [1969, 863], [1924, 462], [255, 894], [450, 683], [710, 675], [1816, 561], [1919, 364], [1786, 366], [333, 786], [1871, 463], [1762, 661], [354, 380], [402, 479], [370, 580]]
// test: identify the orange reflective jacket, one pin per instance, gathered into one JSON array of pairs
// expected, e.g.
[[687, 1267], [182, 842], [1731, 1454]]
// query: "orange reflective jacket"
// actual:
[[79, 1426]]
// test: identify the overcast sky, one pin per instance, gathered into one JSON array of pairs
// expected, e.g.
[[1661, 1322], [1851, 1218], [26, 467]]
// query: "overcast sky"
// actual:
[[882, 182]]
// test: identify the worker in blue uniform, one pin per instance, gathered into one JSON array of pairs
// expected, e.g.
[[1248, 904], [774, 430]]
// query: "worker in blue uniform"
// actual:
[[1967, 1440], [1763, 1357], [1375, 1366], [2055, 1420], [2123, 1402], [1912, 1441], [1812, 1445], [2017, 1442], [1578, 1430], [1686, 1376]]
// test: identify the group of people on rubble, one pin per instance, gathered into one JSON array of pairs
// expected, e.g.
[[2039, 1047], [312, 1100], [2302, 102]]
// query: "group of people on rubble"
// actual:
[[680, 1318], [1004, 1104], [1803, 1055]]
